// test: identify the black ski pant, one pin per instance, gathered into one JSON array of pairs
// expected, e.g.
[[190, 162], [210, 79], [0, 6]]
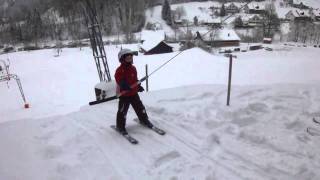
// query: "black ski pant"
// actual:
[[123, 107]]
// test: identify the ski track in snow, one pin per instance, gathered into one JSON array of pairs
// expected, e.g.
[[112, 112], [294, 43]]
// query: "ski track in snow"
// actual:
[[247, 140]]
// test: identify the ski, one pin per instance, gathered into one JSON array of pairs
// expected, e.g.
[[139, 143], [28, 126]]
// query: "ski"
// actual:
[[316, 120], [313, 131], [154, 128], [127, 136]]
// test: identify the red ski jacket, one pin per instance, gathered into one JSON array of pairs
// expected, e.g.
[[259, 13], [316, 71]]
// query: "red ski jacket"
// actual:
[[126, 76]]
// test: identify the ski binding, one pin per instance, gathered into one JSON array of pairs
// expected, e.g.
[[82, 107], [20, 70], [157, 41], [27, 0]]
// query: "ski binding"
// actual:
[[154, 128]]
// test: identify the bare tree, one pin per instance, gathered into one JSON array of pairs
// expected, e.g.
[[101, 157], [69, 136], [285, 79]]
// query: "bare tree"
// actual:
[[179, 12], [271, 22]]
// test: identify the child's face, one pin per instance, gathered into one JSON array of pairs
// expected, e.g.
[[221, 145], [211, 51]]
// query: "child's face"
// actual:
[[128, 58]]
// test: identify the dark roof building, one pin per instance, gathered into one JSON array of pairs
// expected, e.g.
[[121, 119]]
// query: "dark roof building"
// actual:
[[254, 8], [152, 42], [159, 48]]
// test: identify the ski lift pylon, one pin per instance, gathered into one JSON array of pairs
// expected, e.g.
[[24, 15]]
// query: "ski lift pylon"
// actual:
[[5, 75]]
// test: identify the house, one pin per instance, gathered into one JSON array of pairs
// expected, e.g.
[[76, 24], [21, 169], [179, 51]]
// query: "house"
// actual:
[[157, 26], [215, 23], [253, 8], [267, 40], [315, 14], [159, 48], [255, 20], [154, 26], [177, 22], [219, 38], [4, 20], [298, 15], [182, 22], [299, 4], [152, 42], [231, 8]]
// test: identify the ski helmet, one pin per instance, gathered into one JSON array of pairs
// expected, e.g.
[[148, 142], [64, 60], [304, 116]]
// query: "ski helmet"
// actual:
[[123, 52]]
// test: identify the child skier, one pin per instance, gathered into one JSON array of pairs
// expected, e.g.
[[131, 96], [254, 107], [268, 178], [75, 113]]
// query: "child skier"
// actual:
[[126, 78]]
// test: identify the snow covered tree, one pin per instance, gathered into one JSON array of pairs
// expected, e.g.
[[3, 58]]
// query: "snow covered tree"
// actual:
[[58, 48], [238, 22], [222, 10], [179, 12], [195, 21], [131, 17], [34, 26]]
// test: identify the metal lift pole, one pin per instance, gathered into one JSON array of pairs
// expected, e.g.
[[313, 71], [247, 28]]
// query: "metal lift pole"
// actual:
[[6, 76], [96, 41]]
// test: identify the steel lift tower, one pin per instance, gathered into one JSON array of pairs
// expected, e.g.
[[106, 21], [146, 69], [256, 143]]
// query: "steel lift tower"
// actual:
[[105, 87], [96, 42], [5, 75]]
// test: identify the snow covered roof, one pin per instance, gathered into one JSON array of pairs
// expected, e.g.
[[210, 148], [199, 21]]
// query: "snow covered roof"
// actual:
[[316, 12], [300, 1], [215, 20], [151, 39], [267, 39], [256, 6], [255, 17], [299, 13], [227, 34], [220, 35], [246, 17]]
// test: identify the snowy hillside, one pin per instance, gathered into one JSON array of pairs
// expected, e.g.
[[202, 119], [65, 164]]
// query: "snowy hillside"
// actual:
[[262, 135], [55, 85], [205, 14]]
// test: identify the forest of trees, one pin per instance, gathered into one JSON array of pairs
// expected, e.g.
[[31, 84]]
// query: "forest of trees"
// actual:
[[304, 32], [34, 21], [46, 20]]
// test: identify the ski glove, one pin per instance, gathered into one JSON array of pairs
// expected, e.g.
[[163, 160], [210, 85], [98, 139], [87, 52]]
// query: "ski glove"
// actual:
[[124, 86], [140, 88]]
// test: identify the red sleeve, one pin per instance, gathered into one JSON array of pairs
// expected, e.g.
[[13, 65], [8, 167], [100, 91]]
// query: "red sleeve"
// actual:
[[118, 75]]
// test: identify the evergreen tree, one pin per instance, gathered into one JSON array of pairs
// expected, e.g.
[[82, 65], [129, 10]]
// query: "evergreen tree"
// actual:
[[166, 12], [222, 10], [195, 21], [238, 22], [38, 20]]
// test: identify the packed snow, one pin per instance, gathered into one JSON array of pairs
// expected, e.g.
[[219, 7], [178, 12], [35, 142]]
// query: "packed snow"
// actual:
[[262, 135]]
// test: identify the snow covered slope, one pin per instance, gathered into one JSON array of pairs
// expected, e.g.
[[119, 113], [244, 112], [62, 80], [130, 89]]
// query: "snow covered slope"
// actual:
[[59, 85], [261, 136]]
